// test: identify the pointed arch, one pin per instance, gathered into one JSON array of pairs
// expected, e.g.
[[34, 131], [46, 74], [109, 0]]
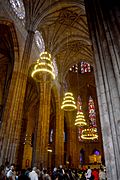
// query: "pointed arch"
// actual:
[[9, 55], [13, 33]]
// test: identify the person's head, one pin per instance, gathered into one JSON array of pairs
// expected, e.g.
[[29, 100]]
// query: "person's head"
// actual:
[[12, 167], [60, 166], [55, 169], [29, 169], [34, 169], [45, 171], [88, 167]]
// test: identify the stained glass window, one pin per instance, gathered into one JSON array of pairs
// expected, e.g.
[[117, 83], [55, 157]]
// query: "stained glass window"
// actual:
[[18, 8], [92, 113], [51, 136], [79, 104], [65, 137], [82, 67], [80, 133], [74, 68], [39, 41], [92, 116], [85, 67]]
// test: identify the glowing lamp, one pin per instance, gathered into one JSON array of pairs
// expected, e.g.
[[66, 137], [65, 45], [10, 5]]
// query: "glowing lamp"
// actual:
[[89, 134], [43, 66], [68, 103], [80, 120]]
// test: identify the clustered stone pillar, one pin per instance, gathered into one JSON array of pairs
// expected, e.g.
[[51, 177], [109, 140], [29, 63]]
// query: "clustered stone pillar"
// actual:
[[104, 23], [27, 152], [72, 140], [11, 125], [59, 135], [42, 134]]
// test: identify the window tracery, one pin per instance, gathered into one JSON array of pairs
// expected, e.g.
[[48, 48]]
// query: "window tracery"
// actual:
[[74, 68], [82, 67], [18, 8], [39, 41], [85, 67]]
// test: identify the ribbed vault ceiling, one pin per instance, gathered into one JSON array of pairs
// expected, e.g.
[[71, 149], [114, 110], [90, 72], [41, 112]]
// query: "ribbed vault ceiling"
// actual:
[[64, 28]]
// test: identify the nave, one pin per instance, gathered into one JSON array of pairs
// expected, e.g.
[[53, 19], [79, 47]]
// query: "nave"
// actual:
[[60, 84]]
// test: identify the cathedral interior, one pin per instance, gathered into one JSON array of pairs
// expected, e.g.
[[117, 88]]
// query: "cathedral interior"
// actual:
[[60, 83]]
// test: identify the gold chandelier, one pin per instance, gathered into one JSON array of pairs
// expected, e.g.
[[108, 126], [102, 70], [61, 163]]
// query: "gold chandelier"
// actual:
[[43, 65], [80, 120], [68, 103], [89, 134]]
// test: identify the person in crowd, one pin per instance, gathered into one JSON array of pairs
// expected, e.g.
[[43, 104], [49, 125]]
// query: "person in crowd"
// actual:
[[28, 171], [33, 175], [73, 174], [11, 173], [83, 168], [70, 174], [83, 176], [38, 173], [2, 172], [66, 175], [61, 169], [60, 173], [102, 175], [22, 176], [95, 174], [54, 174], [7, 168], [46, 176], [89, 173]]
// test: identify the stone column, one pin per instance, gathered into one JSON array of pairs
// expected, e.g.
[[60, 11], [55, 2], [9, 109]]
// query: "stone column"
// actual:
[[28, 146], [42, 131], [59, 135], [11, 125], [104, 23], [72, 140]]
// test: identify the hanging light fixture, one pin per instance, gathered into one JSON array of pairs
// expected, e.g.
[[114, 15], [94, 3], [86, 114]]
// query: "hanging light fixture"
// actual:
[[89, 134], [80, 120], [43, 65], [68, 103]]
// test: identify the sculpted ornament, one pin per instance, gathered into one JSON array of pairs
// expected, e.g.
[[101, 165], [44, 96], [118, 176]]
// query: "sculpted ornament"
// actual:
[[66, 17]]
